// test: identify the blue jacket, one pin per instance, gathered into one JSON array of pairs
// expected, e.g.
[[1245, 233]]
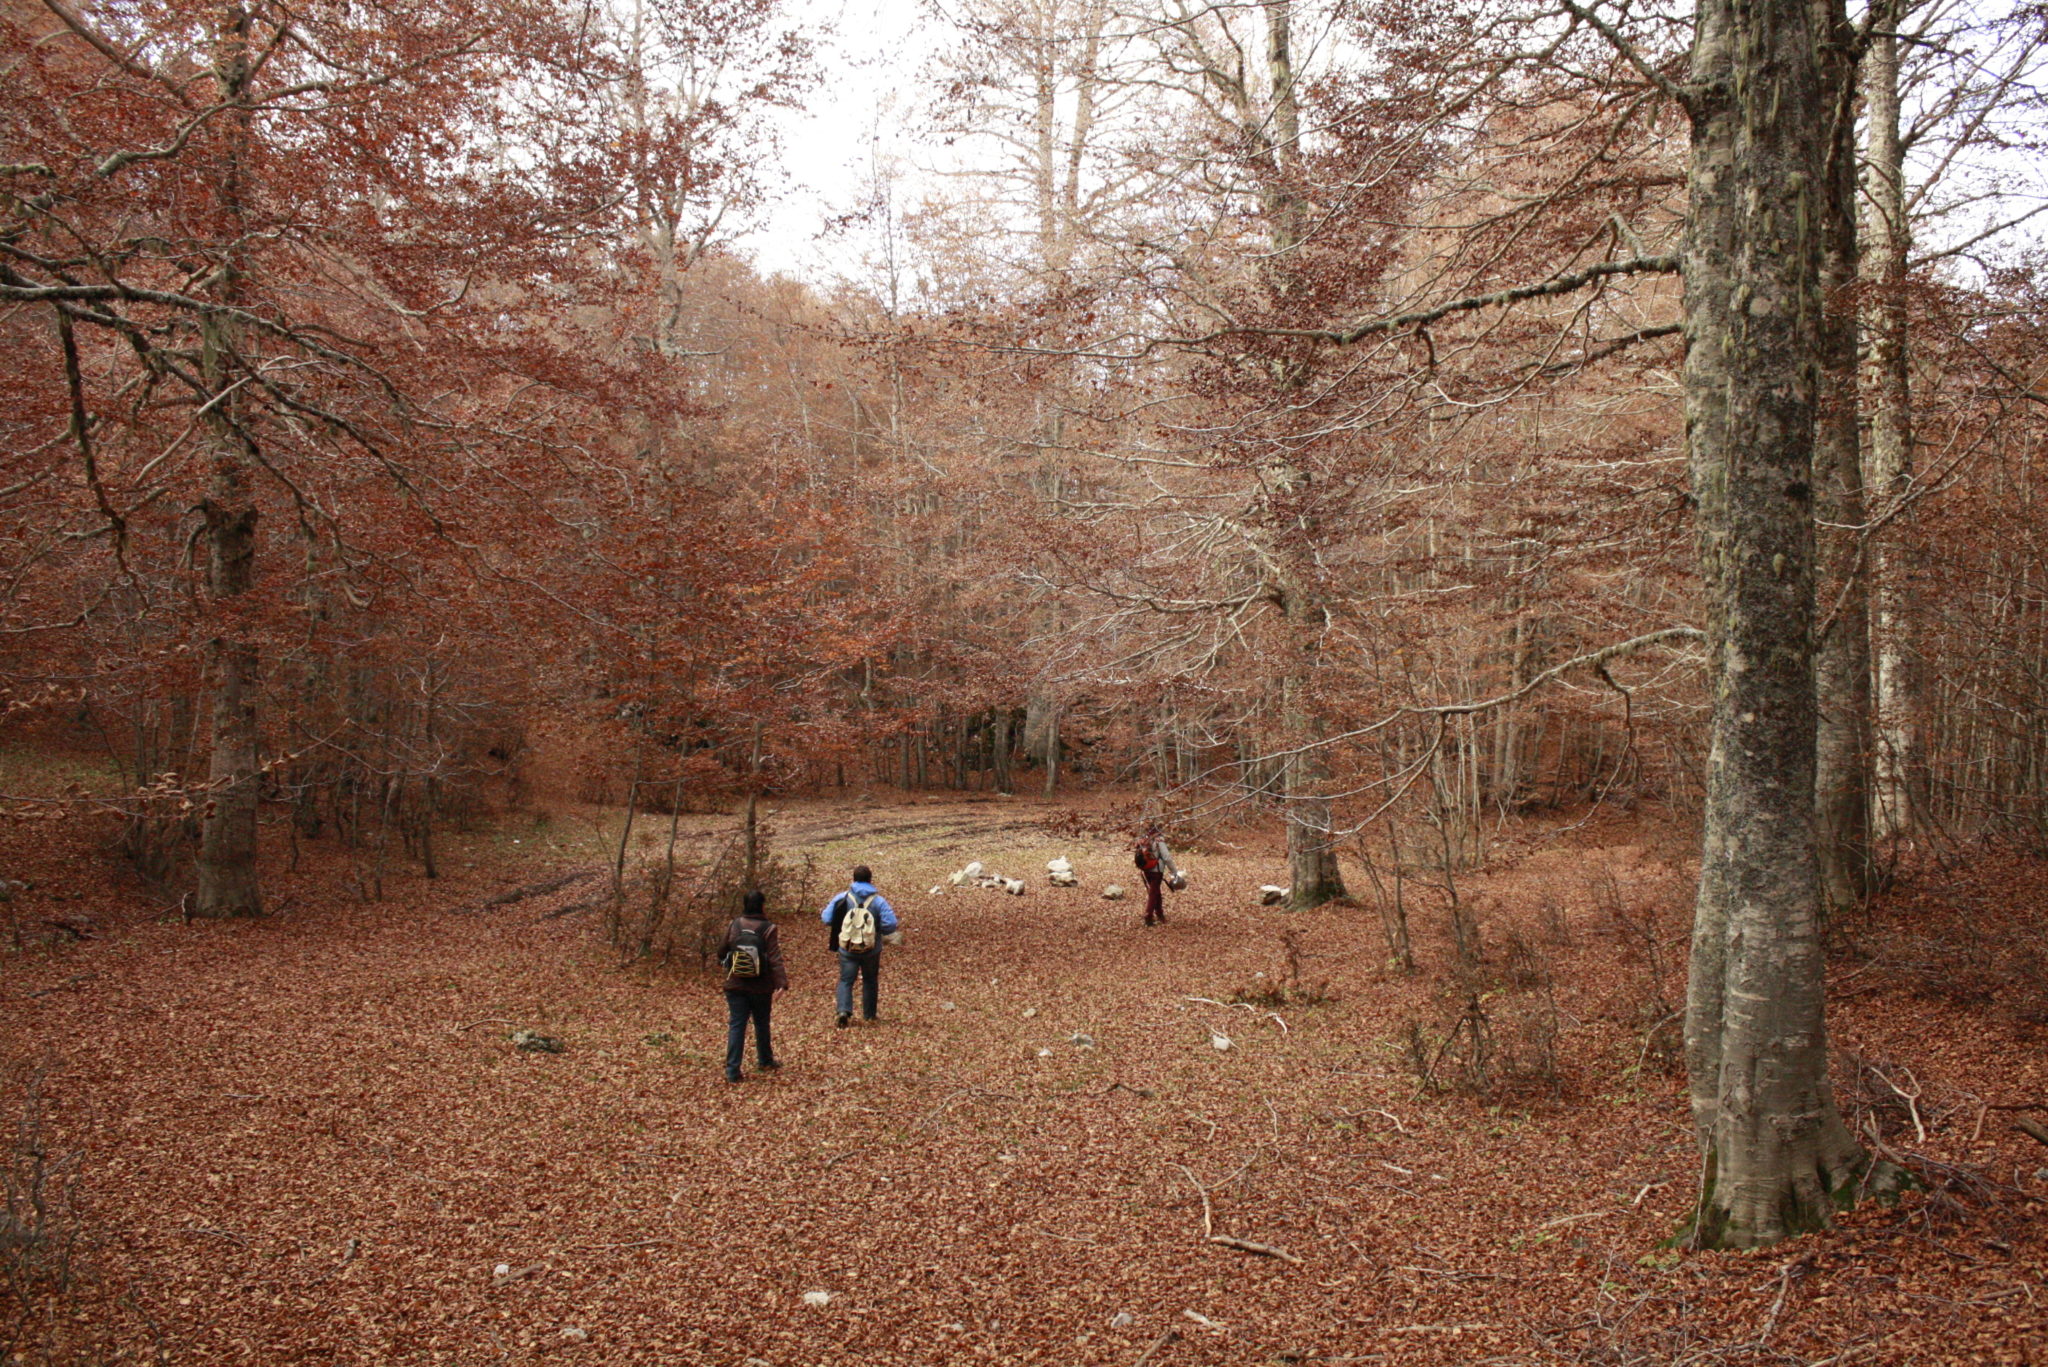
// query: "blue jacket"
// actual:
[[885, 915]]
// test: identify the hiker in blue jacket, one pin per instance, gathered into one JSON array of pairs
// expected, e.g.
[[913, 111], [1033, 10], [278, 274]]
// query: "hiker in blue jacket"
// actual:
[[865, 917]]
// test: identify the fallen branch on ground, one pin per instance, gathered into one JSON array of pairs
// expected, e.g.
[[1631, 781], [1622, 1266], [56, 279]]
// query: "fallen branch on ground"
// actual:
[[614, 1248], [1168, 1337], [1210, 1235], [521, 894], [929, 1116], [559, 912], [70, 982]]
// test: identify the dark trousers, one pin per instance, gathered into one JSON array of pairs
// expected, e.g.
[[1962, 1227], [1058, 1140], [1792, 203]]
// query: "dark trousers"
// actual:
[[739, 1008], [1155, 905], [868, 967]]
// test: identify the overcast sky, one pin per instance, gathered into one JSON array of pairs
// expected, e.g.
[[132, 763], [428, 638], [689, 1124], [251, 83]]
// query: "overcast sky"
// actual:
[[871, 54]]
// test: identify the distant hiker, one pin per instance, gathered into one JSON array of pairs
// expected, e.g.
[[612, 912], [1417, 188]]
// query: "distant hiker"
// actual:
[[1155, 862], [752, 958], [860, 917]]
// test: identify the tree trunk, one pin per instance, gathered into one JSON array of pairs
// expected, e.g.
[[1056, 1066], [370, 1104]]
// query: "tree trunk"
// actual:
[[228, 884], [1776, 1154], [1897, 760], [1000, 748], [1842, 659], [1312, 872]]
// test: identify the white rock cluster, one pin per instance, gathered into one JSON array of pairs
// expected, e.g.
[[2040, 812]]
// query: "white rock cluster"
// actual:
[[1061, 873], [978, 875], [1272, 896]]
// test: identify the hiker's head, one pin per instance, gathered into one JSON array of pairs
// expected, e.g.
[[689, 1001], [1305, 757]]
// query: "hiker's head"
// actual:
[[753, 904], [863, 874]]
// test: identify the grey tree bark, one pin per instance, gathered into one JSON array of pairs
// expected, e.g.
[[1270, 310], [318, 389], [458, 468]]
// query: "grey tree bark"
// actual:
[[227, 875], [1888, 399], [1842, 660], [1776, 1154]]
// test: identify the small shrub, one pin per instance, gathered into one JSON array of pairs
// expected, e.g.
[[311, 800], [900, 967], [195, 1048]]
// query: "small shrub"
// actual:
[[38, 1217], [1487, 1044], [668, 908], [1285, 986]]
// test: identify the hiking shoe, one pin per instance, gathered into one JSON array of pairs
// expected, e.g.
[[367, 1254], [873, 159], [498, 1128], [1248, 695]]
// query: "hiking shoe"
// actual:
[[769, 1065], [732, 1075], [844, 1021]]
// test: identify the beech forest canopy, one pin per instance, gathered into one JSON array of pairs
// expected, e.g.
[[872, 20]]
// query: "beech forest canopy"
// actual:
[[1281, 409]]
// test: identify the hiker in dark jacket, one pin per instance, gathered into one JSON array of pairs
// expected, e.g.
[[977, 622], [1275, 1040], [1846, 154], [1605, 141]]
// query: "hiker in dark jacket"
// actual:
[[751, 936], [865, 964]]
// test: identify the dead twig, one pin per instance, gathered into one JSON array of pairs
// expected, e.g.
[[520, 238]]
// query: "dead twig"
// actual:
[[348, 1255], [193, 1227], [1263, 1250], [1210, 1235], [2032, 1129], [615, 1248], [935, 1112], [1777, 1306], [73, 981], [488, 1020], [559, 912], [1168, 1337]]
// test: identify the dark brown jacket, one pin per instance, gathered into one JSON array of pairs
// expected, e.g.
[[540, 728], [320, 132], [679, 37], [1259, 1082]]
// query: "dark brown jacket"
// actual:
[[774, 978]]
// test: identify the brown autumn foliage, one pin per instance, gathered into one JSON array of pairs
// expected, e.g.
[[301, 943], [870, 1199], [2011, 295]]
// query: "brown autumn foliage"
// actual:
[[1332, 482]]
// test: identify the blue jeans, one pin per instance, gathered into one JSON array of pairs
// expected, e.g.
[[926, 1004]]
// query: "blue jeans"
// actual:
[[867, 967], [740, 1007]]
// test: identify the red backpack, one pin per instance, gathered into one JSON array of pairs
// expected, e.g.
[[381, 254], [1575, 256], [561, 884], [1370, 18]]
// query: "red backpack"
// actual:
[[1145, 854]]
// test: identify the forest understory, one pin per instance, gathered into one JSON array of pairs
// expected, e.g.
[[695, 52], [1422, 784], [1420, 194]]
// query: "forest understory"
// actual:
[[309, 1139]]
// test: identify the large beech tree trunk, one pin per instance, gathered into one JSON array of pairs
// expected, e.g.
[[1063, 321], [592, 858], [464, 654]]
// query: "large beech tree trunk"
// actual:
[[1898, 761], [227, 878], [1313, 875], [1842, 659], [1776, 1151]]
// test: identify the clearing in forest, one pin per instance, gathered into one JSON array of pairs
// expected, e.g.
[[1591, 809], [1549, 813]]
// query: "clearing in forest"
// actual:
[[1236, 1138]]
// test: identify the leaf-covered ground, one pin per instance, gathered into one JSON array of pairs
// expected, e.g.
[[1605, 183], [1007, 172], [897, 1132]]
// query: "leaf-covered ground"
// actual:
[[309, 1140]]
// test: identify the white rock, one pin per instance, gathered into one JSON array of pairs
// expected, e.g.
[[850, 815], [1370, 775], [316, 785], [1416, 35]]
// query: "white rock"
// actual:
[[1045, 1053], [957, 877], [1064, 879], [502, 1270], [938, 890], [947, 1006], [1122, 1319], [1059, 865], [1113, 893], [571, 1334], [973, 870], [1218, 1042], [1014, 886], [817, 1300], [1029, 1012], [1272, 896]]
